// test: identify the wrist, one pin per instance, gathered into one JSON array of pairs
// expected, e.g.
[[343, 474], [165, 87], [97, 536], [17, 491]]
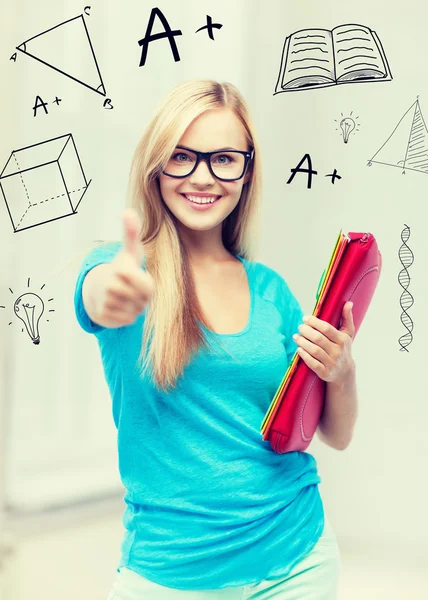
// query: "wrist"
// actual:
[[347, 379]]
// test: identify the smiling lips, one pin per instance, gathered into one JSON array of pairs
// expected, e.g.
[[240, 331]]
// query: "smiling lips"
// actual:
[[201, 198]]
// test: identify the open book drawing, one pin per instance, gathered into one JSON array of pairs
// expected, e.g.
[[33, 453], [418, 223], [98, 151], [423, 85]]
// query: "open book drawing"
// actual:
[[314, 58]]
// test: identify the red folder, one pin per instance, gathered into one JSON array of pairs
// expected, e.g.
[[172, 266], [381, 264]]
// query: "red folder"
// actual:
[[352, 274]]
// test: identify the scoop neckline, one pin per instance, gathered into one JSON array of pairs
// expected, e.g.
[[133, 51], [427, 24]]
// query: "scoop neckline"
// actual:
[[250, 316]]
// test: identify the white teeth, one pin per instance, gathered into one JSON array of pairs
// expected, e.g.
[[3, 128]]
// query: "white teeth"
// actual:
[[198, 200]]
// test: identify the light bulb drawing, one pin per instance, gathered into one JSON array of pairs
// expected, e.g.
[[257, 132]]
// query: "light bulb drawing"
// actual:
[[29, 308], [348, 125]]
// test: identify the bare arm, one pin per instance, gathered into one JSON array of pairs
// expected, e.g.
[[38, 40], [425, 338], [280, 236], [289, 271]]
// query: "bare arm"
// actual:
[[337, 423]]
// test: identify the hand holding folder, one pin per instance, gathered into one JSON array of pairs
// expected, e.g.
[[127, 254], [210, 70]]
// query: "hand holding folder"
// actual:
[[352, 274]]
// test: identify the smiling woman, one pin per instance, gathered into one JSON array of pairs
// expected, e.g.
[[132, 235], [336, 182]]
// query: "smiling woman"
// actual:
[[209, 505]]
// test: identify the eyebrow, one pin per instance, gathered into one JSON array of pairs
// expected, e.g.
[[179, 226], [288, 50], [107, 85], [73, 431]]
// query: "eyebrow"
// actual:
[[217, 150]]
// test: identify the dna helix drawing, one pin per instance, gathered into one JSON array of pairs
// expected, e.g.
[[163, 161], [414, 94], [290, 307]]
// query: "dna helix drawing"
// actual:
[[406, 299]]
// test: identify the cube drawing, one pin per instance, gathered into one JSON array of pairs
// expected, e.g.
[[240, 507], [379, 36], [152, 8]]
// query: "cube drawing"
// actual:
[[43, 182]]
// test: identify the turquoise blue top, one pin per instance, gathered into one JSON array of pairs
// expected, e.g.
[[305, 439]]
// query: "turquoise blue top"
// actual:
[[208, 503]]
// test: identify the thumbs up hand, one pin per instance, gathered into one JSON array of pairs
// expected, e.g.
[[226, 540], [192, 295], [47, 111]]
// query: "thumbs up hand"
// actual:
[[128, 288]]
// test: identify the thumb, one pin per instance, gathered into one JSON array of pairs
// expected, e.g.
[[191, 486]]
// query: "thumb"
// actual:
[[131, 234], [347, 319]]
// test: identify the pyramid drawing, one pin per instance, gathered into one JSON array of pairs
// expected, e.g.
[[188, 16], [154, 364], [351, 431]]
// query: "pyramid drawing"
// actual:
[[67, 48], [407, 146]]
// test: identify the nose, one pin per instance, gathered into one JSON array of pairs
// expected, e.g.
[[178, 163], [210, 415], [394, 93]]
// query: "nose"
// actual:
[[201, 175]]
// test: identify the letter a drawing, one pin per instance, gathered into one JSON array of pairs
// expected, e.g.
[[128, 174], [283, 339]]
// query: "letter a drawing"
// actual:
[[167, 33], [309, 170]]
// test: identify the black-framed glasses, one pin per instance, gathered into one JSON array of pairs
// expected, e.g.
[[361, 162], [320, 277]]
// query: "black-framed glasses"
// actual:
[[226, 165]]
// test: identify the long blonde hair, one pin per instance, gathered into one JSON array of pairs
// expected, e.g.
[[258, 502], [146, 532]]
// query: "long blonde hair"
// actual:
[[171, 333]]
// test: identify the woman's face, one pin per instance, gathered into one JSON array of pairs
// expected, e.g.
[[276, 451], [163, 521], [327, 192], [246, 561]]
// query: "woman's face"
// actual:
[[213, 130]]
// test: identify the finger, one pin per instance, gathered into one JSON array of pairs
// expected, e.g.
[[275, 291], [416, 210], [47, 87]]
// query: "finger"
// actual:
[[314, 335], [317, 367], [325, 328], [118, 318], [317, 351], [140, 282], [125, 306], [125, 310], [127, 294], [131, 236], [351, 319]]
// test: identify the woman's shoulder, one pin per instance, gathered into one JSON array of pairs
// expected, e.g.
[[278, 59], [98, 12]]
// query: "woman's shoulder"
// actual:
[[101, 248]]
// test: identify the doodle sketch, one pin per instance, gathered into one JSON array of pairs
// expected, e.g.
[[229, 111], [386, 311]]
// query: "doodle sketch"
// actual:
[[348, 125], [406, 299], [407, 146], [50, 48], [43, 182], [315, 58], [28, 308]]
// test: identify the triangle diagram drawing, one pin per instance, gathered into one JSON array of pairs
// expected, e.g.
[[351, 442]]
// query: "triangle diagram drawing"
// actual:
[[407, 146], [67, 48]]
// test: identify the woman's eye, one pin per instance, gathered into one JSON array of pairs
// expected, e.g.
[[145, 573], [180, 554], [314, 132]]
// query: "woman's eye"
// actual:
[[179, 154], [224, 156]]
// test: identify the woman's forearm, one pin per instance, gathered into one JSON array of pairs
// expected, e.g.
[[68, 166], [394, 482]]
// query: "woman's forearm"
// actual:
[[340, 412]]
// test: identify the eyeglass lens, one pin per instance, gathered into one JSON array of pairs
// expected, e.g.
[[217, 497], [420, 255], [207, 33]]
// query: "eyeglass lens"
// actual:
[[227, 165]]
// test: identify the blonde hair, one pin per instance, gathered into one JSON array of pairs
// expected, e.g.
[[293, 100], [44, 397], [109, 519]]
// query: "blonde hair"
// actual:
[[171, 333]]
